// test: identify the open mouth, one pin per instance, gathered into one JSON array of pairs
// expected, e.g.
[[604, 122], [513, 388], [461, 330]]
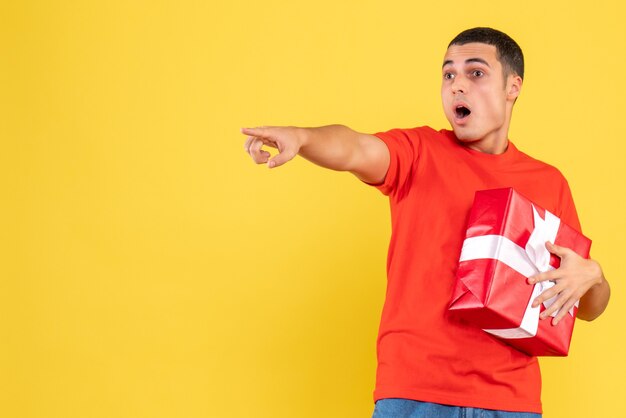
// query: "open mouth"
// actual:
[[462, 112]]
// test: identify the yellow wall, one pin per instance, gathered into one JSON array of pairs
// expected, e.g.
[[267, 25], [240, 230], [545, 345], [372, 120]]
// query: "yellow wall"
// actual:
[[150, 269]]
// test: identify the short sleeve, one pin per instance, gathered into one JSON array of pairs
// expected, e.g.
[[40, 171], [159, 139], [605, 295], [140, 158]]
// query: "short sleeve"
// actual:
[[403, 145]]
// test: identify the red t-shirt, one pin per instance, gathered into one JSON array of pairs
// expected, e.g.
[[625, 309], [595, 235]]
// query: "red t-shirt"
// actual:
[[423, 354]]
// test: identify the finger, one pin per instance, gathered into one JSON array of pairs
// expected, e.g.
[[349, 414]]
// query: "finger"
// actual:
[[564, 310], [557, 249], [246, 146], [281, 158], [270, 143], [545, 295], [262, 132], [249, 143], [258, 156], [263, 140], [546, 275], [556, 305]]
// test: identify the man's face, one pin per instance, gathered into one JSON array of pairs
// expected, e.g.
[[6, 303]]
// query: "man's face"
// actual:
[[477, 101]]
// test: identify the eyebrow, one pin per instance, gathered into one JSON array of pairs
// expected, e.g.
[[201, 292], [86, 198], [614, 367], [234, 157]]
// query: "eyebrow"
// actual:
[[468, 61]]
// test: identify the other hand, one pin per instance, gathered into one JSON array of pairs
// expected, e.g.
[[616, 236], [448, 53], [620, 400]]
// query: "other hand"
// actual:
[[575, 276]]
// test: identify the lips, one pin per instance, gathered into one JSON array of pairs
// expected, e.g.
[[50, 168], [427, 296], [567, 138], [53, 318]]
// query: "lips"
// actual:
[[461, 112]]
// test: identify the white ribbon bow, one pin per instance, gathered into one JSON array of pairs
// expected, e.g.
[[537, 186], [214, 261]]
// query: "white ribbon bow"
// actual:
[[529, 261]]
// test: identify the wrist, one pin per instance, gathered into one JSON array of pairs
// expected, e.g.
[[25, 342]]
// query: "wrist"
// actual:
[[597, 273], [303, 137]]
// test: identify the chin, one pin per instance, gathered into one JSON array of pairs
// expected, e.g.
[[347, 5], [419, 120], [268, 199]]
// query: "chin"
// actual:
[[465, 135]]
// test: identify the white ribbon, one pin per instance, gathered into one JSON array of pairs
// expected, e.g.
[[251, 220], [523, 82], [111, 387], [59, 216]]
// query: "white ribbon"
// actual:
[[533, 259]]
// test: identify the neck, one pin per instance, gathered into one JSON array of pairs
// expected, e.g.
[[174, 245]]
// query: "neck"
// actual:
[[490, 145]]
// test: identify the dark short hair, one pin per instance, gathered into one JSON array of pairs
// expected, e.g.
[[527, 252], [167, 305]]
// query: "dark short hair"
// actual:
[[508, 51]]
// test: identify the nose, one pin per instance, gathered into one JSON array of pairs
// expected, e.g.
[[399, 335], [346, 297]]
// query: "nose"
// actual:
[[459, 85]]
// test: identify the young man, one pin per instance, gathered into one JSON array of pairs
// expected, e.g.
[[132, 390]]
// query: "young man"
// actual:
[[428, 363]]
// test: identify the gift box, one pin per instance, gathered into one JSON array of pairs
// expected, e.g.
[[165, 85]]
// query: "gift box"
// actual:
[[504, 245]]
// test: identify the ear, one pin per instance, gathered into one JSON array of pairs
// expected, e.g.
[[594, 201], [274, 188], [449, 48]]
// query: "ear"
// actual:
[[514, 87]]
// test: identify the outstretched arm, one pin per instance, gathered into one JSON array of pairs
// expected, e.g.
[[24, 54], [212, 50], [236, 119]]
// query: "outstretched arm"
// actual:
[[336, 147], [576, 278]]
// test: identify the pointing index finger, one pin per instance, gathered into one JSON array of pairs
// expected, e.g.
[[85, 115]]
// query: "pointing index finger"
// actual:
[[259, 132]]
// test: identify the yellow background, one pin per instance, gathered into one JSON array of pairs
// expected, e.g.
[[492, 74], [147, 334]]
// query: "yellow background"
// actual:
[[150, 269]]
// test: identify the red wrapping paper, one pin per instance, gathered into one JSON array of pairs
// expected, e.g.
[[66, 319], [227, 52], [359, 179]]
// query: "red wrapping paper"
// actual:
[[504, 245]]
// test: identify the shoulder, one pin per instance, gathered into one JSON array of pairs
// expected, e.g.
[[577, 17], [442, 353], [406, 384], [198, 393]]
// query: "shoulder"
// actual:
[[553, 188], [548, 170], [416, 131], [415, 135]]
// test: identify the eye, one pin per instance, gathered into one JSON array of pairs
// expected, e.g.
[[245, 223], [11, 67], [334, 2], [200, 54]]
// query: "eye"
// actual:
[[448, 76], [477, 73]]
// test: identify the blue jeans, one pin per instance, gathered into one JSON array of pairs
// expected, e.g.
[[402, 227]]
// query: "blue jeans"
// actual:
[[405, 408]]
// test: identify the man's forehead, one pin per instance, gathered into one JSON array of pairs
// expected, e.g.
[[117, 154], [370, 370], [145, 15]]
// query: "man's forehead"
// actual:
[[458, 54]]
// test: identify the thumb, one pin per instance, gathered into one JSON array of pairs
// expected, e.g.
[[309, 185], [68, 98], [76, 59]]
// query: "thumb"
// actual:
[[281, 158], [556, 249]]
